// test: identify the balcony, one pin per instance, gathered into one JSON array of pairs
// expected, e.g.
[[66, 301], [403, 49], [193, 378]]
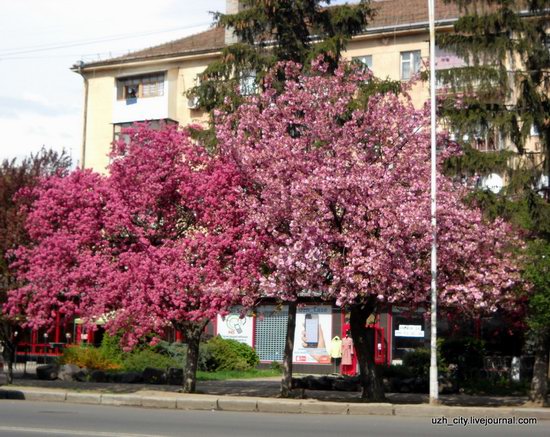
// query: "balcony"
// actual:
[[140, 98]]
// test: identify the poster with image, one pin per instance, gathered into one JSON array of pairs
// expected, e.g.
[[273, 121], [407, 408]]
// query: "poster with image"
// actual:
[[234, 327], [313, 335]]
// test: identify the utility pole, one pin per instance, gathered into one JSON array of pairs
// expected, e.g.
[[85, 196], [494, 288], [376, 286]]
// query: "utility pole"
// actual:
[[434, 388]]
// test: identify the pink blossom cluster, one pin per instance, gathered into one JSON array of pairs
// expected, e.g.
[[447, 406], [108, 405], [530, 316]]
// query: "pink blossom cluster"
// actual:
[[161, 240], [318, 194], [343, 194]]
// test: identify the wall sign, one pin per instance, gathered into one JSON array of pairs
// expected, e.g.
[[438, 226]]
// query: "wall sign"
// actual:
[[234, 327], [410, 331], [313, 335]]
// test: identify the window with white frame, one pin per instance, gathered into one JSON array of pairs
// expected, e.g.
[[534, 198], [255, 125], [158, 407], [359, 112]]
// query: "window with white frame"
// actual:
[[142, 86], [410, 64], [366, 61], [247, 83], [488, 139]]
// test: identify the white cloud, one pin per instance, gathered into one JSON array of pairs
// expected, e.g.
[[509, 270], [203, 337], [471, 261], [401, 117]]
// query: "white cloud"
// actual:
[[40, 98]]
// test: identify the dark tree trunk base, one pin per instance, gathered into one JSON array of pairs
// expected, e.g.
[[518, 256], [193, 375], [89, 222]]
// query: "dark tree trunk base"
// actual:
[[372, 388], [193, 333], [286, 382], [539, 384], [9, 359]]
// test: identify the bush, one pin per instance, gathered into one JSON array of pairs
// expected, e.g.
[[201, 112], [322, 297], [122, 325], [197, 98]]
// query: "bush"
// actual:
[[89, 357], [396, 371], [176, 351], [222, 354], [499, 387], [418, 362], [467, 354], [110, 348], [137, 361]]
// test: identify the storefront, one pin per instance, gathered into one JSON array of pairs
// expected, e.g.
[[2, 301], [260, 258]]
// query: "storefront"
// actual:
[[319, 327]]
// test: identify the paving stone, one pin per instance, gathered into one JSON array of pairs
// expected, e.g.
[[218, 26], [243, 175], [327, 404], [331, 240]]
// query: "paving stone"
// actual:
[[226, 404], [158, 402], [539, 413], [278, 406], [127, 400], [371, 409], [84, 398], [55, 396], [196, 403], [324, 408]]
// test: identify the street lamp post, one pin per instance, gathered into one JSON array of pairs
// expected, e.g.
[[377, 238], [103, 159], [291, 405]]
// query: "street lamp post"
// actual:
[[45, 346], [434, 389]]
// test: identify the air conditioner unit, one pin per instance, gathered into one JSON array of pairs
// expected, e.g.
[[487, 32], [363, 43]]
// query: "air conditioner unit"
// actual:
[[193, 102]]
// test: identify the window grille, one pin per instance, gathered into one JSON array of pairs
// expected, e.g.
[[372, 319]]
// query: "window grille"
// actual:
[[271, 333]]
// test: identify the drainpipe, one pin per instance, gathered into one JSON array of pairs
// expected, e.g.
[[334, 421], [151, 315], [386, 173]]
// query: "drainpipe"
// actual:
[[232, 7], [85, 115]]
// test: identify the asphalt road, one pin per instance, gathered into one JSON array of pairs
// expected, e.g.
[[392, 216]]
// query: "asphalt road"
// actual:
[[25, 418]]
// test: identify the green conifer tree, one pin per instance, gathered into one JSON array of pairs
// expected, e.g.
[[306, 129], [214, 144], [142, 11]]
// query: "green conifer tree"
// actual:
[[268, 31], [503, 91]]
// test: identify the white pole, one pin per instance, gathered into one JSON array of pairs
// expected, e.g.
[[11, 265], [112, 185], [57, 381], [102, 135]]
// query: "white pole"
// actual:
[[434, 389]]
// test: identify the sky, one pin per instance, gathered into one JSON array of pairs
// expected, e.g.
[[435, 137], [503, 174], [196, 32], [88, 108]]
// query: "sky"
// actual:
[[41, 99]]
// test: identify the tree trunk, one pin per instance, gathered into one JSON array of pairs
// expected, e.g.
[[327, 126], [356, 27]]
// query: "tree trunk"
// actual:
[[539, 383], [286, 382], [9, 352], [9, 359], [193, 333], [363, 339]]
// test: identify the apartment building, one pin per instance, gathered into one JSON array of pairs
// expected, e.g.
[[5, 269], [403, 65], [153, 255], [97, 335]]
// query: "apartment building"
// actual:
[[152, 84]]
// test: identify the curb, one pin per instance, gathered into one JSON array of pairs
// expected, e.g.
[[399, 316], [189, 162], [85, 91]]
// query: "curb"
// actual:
[[265, 405]]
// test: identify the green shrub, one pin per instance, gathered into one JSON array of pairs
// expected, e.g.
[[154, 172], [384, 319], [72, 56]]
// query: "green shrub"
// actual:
[[396, 371], [467, 354], [222, 354], [206, 363], [110, 348], [176, 351], [89, 357], [499, 387], [137, 361], [418, 362], [214, 355]]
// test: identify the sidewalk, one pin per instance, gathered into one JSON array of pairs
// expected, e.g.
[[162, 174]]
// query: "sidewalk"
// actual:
[[259, 396]]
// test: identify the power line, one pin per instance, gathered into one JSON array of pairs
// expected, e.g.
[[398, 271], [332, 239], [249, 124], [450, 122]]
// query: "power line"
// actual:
[[58, 46]]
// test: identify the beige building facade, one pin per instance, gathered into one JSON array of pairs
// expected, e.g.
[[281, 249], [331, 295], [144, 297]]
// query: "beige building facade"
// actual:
[[152, 84]]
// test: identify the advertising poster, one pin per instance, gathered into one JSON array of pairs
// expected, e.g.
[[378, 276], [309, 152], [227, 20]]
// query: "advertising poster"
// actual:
[[313, 335], [234, 327]]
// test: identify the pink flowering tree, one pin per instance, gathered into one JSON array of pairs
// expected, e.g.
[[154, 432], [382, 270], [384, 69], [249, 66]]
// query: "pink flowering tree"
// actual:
[[343, 195], [159, 242]]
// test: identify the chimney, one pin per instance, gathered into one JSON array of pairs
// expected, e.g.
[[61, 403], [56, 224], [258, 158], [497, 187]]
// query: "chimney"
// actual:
[[232, 7]]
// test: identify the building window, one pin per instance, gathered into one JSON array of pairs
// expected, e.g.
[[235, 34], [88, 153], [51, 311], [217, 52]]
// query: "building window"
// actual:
[[247, 83], [487, 139], [365, 61], [153, 124], [149, 85], [410, 64]]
